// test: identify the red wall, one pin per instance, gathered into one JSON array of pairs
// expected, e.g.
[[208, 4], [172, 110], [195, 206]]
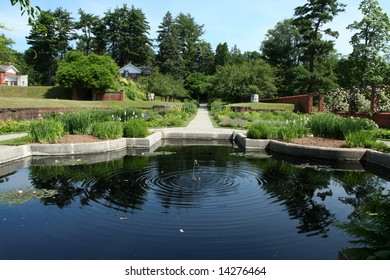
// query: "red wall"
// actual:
[[116, 96], [304, 101]]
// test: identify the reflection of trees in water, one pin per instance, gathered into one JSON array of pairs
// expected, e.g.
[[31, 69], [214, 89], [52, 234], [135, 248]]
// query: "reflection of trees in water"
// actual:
[[359, 186], [296, 188], [117, 184], [110, 183]]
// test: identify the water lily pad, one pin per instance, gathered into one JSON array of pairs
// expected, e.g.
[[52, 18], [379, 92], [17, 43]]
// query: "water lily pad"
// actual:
[[17, 196]]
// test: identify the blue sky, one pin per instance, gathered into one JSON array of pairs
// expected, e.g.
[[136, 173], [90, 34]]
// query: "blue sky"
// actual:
[[241, 23]]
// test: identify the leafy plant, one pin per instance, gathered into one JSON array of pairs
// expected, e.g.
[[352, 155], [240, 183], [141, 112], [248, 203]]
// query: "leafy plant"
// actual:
[[46, 131], [372, 232], [329, 125], [135, 128], [107, 130], [366, 139], [78, 122], [12, 126], [260, 130]]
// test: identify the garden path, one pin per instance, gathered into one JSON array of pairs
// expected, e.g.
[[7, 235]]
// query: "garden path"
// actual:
[[201, 123]]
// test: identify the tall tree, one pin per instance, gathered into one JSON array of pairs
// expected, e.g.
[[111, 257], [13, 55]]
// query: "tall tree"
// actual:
[[168, 57], [310, 20], [221, 55], [49, 43], [189, 33], [370, 43], [236, 57], [281, 44], [204, 59], [128, 39], [86, 38], [280, 48]]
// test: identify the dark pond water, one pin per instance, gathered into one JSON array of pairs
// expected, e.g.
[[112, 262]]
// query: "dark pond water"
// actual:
[[181, 203]]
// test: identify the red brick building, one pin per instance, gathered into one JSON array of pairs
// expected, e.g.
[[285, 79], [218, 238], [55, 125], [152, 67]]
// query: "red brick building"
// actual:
[[9, 76]]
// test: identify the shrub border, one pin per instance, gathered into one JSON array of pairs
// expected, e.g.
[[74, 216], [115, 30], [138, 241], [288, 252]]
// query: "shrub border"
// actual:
[[9, 154]]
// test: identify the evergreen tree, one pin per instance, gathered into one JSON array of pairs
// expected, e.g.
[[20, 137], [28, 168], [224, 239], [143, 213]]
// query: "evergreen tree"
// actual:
[[168, 57], [49, 43], [127, 36], [86, 39], [189, 33], [204, 59], [236, 57], [310, 19], [221, 55]]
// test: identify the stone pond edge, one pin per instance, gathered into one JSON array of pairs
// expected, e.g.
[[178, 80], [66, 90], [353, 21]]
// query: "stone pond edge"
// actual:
[[12, 153]]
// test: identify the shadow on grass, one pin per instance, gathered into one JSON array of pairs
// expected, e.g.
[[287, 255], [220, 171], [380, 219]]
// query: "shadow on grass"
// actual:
[[59, 93]]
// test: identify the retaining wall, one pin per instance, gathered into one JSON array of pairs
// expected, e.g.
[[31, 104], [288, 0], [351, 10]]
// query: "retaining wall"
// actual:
[[342, 154], [30, 113], [302, 102], [9, 154]]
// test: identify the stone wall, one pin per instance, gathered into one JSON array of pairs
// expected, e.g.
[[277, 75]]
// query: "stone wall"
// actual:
[[29, 113]]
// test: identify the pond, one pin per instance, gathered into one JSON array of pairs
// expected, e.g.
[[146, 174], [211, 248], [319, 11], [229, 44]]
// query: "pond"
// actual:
[[187, 202]]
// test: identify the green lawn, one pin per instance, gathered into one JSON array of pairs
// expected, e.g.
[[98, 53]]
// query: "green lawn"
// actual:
[[36, 92], [23, 102], [58, 97], [265, 106], [16, 141]]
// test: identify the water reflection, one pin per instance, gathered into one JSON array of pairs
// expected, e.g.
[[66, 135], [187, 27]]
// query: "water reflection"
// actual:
[[242, 206], [123, 184]]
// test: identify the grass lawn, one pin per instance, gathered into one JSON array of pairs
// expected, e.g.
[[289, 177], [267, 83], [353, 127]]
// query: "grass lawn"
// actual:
[[58, 97], [24, 102], [265, 106], [16, 141]]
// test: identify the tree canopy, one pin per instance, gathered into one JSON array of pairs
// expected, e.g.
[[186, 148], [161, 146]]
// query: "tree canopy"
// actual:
[[236, 82], [370, 43], [79, 71], [298, 55]]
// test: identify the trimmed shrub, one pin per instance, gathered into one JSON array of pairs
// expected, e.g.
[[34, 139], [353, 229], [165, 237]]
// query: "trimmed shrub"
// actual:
[[135, 128], [107, 130], [46, 131]]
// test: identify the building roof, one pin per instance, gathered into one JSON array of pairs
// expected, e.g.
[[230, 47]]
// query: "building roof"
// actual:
[[130, 69], [6, 68]]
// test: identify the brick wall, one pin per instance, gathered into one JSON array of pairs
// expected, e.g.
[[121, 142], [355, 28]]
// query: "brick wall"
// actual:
[[302, 102], [116, 96]]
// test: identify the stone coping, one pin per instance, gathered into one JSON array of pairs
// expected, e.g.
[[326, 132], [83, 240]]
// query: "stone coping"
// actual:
[[13, 153], [341, 154]]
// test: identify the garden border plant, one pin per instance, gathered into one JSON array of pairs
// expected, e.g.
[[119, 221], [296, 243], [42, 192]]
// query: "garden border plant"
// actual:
[[113, 123]]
